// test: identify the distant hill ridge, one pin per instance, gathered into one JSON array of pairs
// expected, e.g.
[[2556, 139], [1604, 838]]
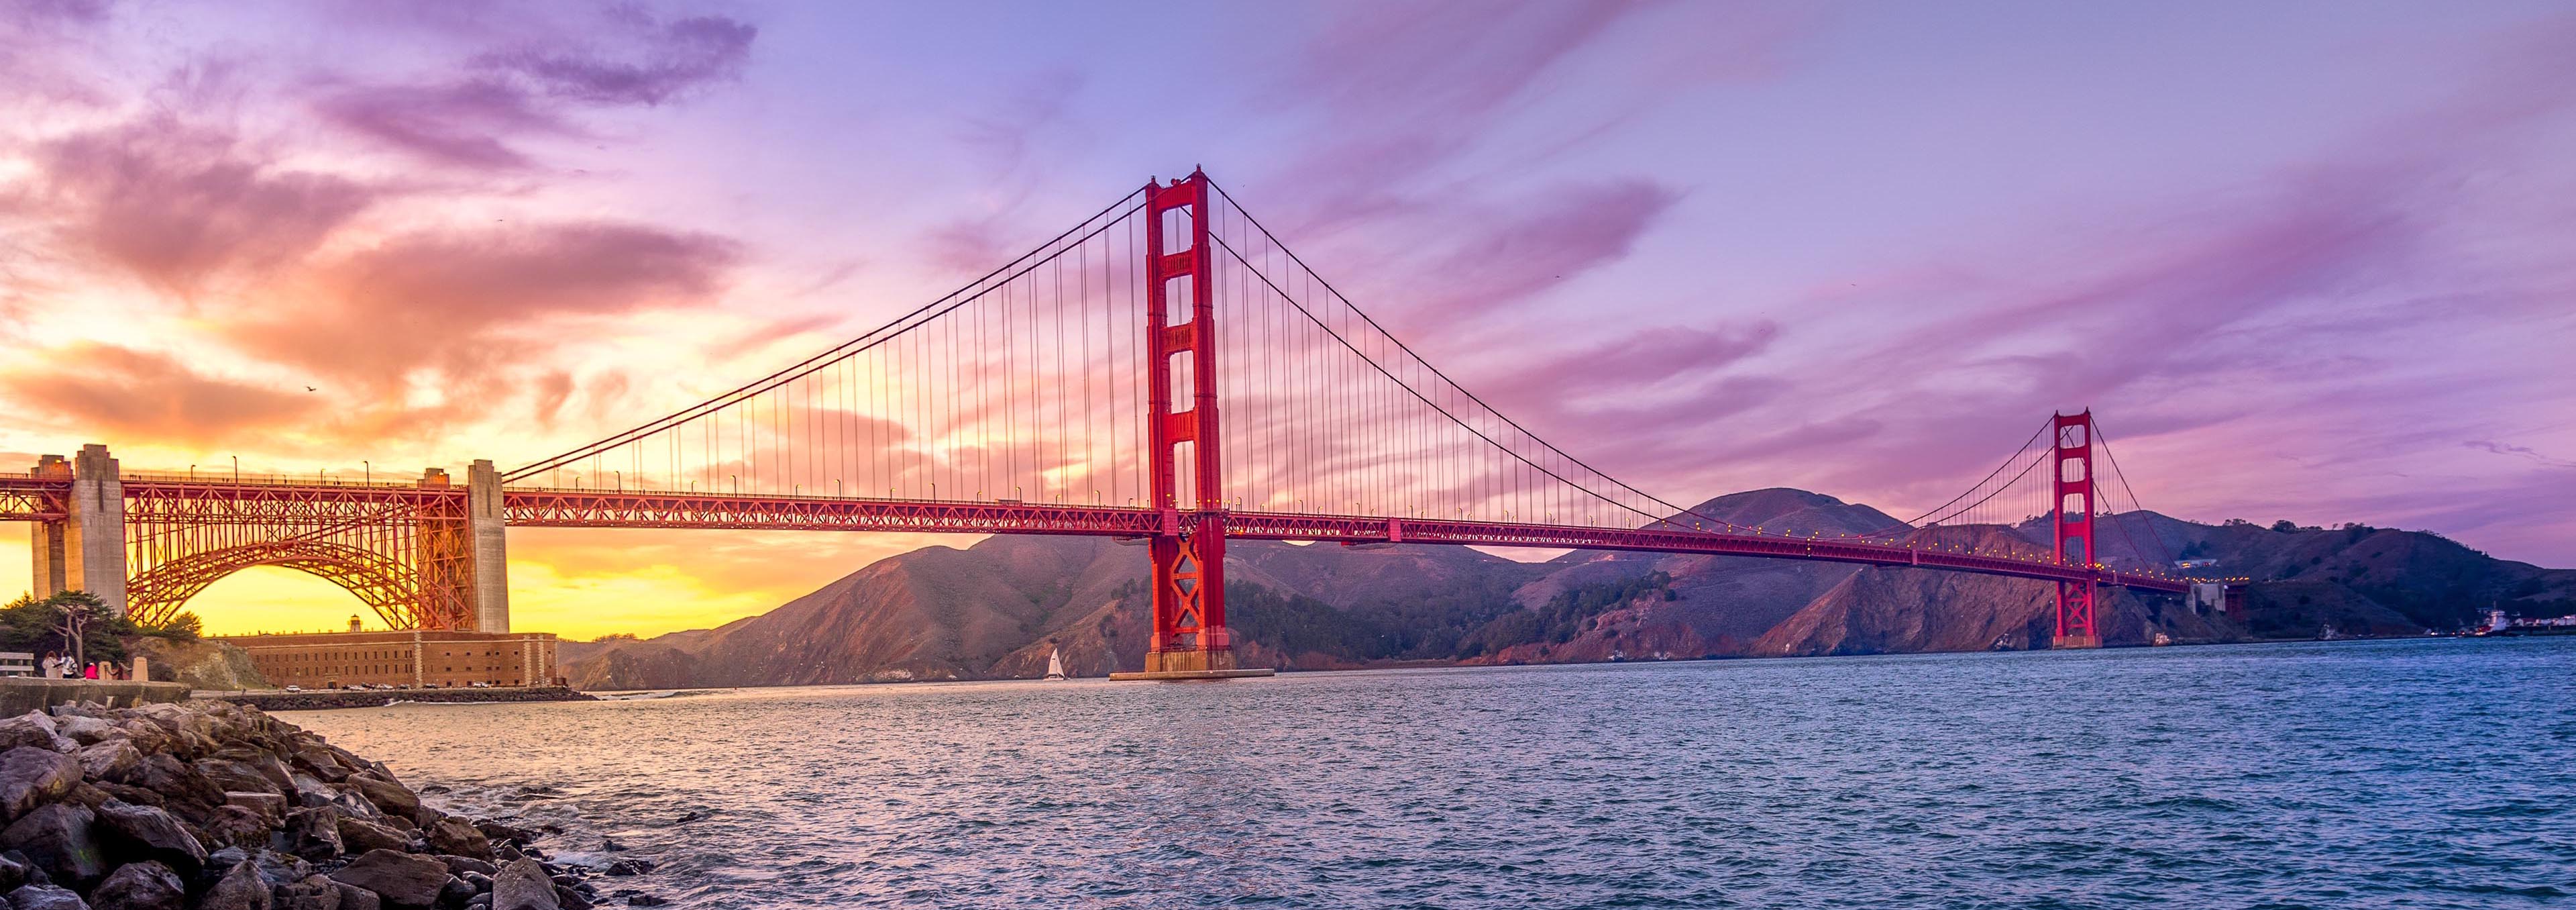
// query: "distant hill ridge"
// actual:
[[998, 608]]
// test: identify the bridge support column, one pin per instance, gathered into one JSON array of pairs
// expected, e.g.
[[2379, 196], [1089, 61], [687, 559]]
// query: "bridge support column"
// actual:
[[1190, 640], [487, 564], [2071, 518], [85, 549], [48, 539]]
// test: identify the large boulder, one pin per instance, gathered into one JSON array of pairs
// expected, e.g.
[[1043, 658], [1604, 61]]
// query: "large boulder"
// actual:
[[402, 879], [110, 761], [314, 833], [310, 790], [30, 776], [313, 892], [269, 805], [358, 835], [524, 885], [146, 885], [57, 838], [264, 764], [14, 870], [236, 777], [189, 793], [34, 729], [322, 762], [45, 897], [86, 730], [393, 798], [234, 826], [353, 897], [152, 834], [457, 837], [239, 889], [281, 869]]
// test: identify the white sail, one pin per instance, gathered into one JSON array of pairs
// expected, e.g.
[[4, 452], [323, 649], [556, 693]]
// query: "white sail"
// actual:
[[1055, 664]]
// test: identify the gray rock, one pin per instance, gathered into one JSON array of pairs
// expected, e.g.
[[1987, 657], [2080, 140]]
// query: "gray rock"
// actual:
[[353, 897], [177, 783], [57, 839], [36, 730], [505, 832], [87, 730], [136, 795], [239, 889], [236, 777], [146, 885], [456, 892], [14, 870], [311, 791], [319, 760], [393, 798], [524, 885], [270, 806], [459, 865], [45, 897], [452, 835], [571, 899], [113, 760], [278, 869], [264, 764], [30, 777], [402, 879], [310, 893], [358, 835], [314, 833], [151, 833], [236, 827]]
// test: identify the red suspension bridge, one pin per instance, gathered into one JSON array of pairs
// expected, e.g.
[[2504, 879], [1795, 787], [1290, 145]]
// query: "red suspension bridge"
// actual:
[[1165, 372]]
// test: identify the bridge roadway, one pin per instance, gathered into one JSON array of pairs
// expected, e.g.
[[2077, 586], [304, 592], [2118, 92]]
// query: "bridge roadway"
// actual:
[[264, 500]]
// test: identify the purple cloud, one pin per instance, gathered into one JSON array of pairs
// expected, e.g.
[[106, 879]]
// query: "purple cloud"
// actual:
[[175, 204], [666, 60]]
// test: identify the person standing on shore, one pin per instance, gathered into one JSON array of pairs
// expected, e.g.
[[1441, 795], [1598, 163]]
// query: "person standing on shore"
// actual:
[[90, 672]]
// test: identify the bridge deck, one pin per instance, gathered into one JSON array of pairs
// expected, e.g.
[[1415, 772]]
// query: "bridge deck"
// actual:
[[29, 498]]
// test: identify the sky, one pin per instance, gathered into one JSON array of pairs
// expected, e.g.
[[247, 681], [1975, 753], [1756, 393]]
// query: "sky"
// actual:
[[2303, 260]]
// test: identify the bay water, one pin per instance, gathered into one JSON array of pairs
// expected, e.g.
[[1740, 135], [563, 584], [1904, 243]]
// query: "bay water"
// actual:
[[2436, 773]]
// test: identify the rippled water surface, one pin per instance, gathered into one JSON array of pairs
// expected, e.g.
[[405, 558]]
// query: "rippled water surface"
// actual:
[[2415, 774]]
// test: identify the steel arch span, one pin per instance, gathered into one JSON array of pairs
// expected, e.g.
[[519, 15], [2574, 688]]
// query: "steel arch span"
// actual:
[[385, 584]]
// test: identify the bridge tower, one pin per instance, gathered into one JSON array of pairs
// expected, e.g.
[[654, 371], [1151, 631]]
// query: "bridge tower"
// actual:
[[2071, 521], [85, 549], [1189, 635]]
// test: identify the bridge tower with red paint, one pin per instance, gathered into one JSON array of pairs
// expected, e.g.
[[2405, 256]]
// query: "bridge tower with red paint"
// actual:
[[1190, 639], [2072, 523]]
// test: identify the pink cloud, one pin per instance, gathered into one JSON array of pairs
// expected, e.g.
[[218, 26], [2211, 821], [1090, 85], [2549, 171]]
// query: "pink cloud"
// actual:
[[461, 299], [175, 204], [466, 124], [132, 394]]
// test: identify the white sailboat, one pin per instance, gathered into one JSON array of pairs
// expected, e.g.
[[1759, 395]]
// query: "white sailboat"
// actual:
[[1055, 664]]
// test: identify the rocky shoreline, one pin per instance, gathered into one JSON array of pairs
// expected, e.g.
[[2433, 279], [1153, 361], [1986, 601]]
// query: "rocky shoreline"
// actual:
[[215, 806]]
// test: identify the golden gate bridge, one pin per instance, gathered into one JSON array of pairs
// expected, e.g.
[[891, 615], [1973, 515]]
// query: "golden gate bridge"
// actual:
[[1166, 372]]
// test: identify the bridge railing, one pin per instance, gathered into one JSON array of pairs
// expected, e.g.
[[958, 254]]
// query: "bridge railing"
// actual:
[[270, 480]]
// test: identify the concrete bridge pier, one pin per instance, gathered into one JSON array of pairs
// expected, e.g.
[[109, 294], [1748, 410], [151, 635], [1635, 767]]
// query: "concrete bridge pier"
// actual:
[[486, 536], [85, 549]]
